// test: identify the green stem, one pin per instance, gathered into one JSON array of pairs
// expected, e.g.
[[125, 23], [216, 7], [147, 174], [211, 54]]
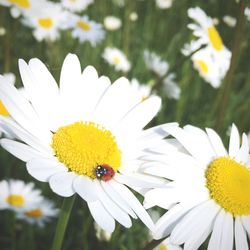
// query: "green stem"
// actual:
[[154, 243], [62, 222], [224, 96]]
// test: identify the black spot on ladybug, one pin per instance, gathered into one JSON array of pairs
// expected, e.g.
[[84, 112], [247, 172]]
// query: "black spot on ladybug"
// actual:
[[104, 172]]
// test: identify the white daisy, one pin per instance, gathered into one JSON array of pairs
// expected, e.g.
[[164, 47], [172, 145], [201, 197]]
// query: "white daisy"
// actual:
[[143, 90], [86, 30], [2, 31], [155, 63], [87, 137], [171, 88], [116, 58], [230, 21], [18, 196], [164, 4], [76, 5], [46, 21], [40, 213], [207, 34], [209, 192], [133, 16], [112, 23], [247, 13]]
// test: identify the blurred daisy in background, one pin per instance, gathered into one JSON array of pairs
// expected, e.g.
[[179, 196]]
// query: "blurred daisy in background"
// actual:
[[229, 21], [116, 58], [46, 21], [155, 63], [2, 31], [170, 87], [86, 30], [112, 23], [209, 192], [164, 4], [40, 213], [18, 196], [247, 13], [87, 138], [76, 5], [143, 90], [133, 16]]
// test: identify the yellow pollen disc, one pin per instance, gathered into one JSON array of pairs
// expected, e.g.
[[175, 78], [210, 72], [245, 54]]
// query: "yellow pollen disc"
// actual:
[[215, 38], [229, 185], [15, 200], [116, 60], [21, 3], [82, 146], [83, 25], [3, 110], [45, 22], [35, 213], [202, 66]]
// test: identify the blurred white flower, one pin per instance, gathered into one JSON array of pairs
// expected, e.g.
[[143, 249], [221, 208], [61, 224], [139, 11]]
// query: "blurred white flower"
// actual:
[[86, 30], [171, 88], [2, 31], [116, 58], [142, 90], [40, 213], [46, 21], [76, 5], [101, 234], [189, 48], [164, 4], [155, 63], [215, 20], [230, 21], [167, 245], [247, 13], [18, 196], [133, 16], [112, 23], [119, 3]]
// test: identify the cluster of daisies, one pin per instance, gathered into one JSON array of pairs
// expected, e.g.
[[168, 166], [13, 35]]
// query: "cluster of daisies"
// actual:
[[88, 139], [27, 202], [213, 59]]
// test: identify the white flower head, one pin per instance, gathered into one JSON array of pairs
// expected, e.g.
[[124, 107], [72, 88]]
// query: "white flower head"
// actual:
[[164, 4], [247, 13], [155, 63], [209, 192], [40, 213], [133, 16], [230, 21], [76, 5], [112, 23], [87, 138], [171, 88], [18, 196], [2, 31], [116, 58], [86, 30]]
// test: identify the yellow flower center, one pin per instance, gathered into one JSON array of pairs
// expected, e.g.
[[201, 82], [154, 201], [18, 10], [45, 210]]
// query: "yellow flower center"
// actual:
[[35, 213], [215, 38], [45, 22], [82, 146], [229, 185], [83, 25], [15, 200], [163, 247], [3, 110], [21, 3], [202, 66], [116, 60]]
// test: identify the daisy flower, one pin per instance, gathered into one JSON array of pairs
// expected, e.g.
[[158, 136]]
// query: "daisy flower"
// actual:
[[247, 13], [207, 34], [155, 63], [40, 213], [46, 21], [2, 31], [87, 138], [164, 4], [133, 16], [86, 30], [230, 21], [18, 196], [112, 23], [116, 58], [209, 192], [76, 5], [171, 88]]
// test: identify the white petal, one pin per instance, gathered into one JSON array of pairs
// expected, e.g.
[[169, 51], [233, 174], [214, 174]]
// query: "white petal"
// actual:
[[234, 143], [246, 223], [227, 233], [134, 204], [101, 216], [20, 150], [86, 188], [240, 236], [216, 142], [116, 212], [215, 240], [43, 168], [62, 183], [242, 154]]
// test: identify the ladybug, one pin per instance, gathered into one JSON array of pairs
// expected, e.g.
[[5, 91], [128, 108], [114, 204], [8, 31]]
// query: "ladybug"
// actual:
[[104, 172]]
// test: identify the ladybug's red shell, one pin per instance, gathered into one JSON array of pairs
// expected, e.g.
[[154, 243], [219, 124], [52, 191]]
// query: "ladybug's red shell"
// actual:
[[104, 172]]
